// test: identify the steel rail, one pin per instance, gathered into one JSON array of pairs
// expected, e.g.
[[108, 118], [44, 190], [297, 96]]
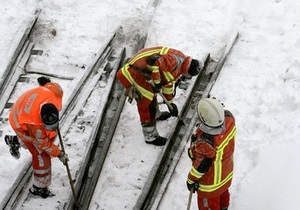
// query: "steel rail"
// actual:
[[101, 137]]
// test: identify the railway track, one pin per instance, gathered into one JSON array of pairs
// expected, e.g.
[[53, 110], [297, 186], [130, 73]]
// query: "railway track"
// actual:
[[106, 115]]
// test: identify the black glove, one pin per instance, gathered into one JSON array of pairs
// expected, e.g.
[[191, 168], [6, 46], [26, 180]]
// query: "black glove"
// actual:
[[157, 88], [193, 186], [193, 137], [174, 110]]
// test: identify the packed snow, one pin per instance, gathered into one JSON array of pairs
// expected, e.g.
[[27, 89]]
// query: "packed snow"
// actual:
[[259, 84]]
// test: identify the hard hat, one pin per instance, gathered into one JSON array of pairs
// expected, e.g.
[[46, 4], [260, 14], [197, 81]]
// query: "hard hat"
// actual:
[[195, 67], [211, 115], [50, 116]]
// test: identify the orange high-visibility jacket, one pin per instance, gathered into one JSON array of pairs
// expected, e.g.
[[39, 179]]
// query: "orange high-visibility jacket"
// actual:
[[169, 64], [219, 150], [25, 117]]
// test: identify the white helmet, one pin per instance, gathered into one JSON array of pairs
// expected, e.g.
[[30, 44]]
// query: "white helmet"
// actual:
[[211, 114]]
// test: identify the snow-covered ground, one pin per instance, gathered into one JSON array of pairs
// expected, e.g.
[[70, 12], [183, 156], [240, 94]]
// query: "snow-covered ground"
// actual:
[[259, 83]]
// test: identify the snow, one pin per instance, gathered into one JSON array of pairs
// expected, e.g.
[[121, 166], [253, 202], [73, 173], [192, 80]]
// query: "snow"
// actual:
[[259, 84]]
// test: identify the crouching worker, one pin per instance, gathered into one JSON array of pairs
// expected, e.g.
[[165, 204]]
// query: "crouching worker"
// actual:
[[149, 72], [35, 118], [211, 152]]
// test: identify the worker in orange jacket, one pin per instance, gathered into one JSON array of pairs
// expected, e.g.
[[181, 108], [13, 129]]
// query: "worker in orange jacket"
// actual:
[[211, 152], [148, 72], [34, 118]]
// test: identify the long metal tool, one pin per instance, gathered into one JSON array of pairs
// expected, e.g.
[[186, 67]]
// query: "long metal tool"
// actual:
[[68, 170], [190, 200]]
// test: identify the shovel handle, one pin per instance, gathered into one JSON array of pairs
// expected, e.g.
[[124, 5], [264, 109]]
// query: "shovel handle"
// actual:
[[163, 97], [190, 200], [68, 169]]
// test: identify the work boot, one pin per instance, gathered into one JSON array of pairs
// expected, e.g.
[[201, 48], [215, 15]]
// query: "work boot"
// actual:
[[158, 141], [42, 192], [14, 145], [151, 135]]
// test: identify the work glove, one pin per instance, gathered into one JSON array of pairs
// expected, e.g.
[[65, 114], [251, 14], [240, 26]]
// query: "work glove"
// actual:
[[63, 157], [193, 137], [174, 110], [133, 93], [192, 185], [156, 88]]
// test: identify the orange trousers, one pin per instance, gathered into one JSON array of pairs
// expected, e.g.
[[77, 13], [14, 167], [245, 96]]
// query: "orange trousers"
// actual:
[[41, 164], [147, 110], [214, 203]]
